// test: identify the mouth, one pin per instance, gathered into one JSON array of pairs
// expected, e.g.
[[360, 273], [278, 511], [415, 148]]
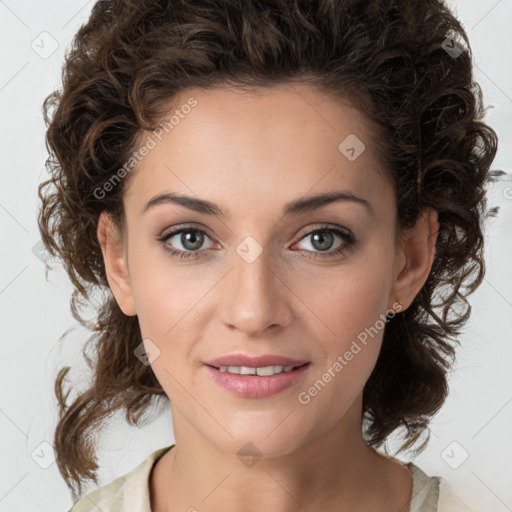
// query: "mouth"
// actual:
[[256, 382], [260, 371], [254, 361]]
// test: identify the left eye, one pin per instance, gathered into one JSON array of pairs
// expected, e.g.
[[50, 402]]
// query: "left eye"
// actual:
[[321, 242]]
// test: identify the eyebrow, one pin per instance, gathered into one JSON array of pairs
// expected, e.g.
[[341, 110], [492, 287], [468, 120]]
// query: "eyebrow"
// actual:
[[300, 206]]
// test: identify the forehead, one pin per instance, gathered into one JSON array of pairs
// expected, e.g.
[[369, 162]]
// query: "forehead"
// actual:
[[271, 144]]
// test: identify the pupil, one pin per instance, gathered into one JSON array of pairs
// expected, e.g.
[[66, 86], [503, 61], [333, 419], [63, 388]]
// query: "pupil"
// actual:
[[319, 236], [188, 237]]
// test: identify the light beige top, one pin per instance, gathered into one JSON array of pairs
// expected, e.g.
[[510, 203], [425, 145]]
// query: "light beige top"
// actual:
[[130, 492]]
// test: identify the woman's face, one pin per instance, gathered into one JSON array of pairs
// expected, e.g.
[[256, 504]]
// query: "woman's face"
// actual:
[[311, 283]]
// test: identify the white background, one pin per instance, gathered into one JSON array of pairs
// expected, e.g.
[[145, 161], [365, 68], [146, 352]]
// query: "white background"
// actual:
[[35, 313]]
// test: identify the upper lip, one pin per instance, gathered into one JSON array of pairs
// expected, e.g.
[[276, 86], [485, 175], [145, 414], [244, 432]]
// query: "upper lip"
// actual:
[[254, 362]]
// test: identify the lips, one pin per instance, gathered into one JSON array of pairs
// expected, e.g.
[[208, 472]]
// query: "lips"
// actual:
[[253, 386], [254, 362]]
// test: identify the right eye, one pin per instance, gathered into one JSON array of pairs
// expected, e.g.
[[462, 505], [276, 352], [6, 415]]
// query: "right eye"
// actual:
[[191, 240]]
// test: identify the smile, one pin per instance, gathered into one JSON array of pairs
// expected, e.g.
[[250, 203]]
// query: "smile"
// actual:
[[261, 370], [257, 382]]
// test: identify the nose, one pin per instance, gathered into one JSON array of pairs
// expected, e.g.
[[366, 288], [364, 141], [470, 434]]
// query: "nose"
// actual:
[[255, 297]]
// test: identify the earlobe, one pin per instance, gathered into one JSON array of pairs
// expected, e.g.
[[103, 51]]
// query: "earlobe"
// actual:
[[116, 267], [416, 258]]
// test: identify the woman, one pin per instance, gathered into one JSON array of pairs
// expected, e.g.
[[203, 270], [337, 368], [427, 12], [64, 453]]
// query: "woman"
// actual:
[[283, 201]]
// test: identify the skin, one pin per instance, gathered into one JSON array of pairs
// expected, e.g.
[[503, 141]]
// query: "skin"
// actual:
[[251, 153]]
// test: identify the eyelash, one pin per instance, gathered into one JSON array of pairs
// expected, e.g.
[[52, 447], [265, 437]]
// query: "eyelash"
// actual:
[[346, 236]]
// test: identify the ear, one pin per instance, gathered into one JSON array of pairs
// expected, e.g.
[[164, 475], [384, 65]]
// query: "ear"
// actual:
[[116, 264], [414, 259]]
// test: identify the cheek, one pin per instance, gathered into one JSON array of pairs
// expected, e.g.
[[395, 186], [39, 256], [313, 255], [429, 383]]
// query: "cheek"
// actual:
[[169, 299], [347, 300], [171, 313], [350, 304]]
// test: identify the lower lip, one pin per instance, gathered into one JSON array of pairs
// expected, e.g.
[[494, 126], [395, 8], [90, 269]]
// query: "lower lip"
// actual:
[[253, 386]]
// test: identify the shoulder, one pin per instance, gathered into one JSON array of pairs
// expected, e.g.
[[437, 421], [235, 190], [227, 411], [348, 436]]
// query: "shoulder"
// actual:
[[433, 493], [129, 490], [448, 500]]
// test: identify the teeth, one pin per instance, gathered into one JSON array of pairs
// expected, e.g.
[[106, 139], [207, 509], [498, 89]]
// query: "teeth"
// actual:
[[261, 371]]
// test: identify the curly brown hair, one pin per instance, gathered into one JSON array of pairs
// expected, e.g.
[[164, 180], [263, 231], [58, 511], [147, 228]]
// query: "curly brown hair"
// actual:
[[389, 57]]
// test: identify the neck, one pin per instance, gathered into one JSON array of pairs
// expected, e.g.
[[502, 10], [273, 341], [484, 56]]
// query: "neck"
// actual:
[[336, 470]]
